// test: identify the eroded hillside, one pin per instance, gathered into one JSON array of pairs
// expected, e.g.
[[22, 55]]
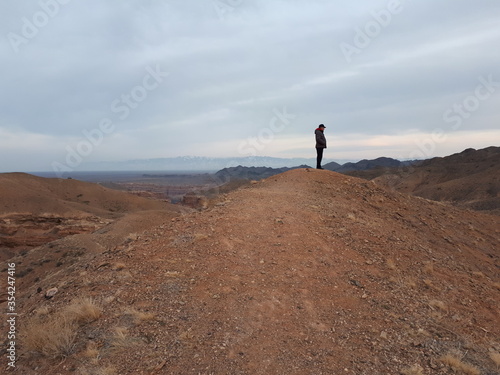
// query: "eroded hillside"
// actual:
[[307, 272], [35, 211], [470, 179]]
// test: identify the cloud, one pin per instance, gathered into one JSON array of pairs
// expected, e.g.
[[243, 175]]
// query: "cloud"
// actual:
[[230, 65]]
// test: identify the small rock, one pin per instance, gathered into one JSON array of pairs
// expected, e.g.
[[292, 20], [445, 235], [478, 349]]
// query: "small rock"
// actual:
[[383, 335], [51, 293], [356, 283]]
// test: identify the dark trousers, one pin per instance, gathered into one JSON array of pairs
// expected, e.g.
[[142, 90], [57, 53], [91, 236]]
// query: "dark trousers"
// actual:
[[319, 151]]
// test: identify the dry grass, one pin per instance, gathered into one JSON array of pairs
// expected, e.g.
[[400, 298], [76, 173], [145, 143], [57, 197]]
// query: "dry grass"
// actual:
[[495, 357], [391, 264], [200, 237], [429, 268], [139, 316], [83, 310], [109, 299], [439, 309], [172, 274], [92, 352], [42, 311], [458, 366], [119, 266], [413, 370], [120, 339], [54, 335], [439, 305], [411, 282], [98, 371]]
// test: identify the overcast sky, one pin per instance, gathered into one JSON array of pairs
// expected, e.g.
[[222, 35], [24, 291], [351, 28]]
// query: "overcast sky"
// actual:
[[84, 81]]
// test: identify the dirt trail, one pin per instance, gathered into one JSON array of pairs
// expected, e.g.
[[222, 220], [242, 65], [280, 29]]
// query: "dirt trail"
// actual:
[[307, 272]]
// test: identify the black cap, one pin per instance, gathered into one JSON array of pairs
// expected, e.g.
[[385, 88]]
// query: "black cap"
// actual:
[[321, 126]]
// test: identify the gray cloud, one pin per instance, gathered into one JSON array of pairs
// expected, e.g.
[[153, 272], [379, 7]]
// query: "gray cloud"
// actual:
[[67, 65]]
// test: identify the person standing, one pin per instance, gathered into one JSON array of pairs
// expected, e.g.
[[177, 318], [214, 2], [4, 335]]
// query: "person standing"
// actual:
[[320, 144]]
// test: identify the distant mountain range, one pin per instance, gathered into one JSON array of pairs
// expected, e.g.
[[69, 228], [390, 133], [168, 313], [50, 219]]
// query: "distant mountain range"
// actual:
[[196, 163], [256, 173], [364, 165]]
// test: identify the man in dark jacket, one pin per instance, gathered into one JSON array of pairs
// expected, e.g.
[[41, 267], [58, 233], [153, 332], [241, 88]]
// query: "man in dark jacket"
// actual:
[[320, 144]]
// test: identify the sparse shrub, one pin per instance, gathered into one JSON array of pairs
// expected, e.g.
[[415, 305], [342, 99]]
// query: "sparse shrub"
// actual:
[[54, 335], [200, 237], [83, 310], [391, 264], [42, 311], [119, 266], [120, 333], [139, 316], [110, 370], [429, 268], [120, 339], [457, 365], [91, 352], [495, 357], [413, 370]]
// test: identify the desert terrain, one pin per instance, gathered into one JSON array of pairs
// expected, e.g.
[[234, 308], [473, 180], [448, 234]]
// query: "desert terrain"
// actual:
[[305, 272], [35, 211]]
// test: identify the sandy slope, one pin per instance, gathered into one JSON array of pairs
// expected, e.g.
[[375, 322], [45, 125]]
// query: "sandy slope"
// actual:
[[307, 272], [22, 192]]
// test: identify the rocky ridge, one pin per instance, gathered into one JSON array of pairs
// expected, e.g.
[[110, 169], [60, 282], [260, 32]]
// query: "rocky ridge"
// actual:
[[306, 272]]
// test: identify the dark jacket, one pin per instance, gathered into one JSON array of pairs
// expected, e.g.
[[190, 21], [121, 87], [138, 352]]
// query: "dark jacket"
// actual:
[[320, 138]]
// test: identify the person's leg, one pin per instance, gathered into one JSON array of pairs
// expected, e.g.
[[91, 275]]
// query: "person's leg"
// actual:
[[319, 157]]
